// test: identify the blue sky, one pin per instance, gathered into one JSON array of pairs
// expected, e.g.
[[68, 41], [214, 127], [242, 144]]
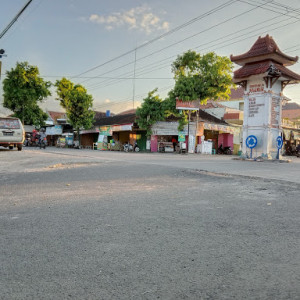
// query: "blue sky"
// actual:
[[70, 37]]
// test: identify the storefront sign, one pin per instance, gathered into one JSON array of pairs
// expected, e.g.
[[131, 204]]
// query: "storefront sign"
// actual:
[[187, 105], [105, 130], [181, 136], [256, 88], [87, 131], [127, 127], [54, 130]]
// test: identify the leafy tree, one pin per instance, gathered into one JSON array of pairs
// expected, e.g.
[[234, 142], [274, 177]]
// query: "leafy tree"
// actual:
[[196, 77], [202, 77], [23, 90], [63, 87], [150, 112], [78, 104]]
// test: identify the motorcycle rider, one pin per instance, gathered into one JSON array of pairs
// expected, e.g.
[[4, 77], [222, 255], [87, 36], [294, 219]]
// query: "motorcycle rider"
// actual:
[[42, 136]]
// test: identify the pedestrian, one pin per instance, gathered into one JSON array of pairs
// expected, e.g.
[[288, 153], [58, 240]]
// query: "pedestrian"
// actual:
[[174, 141]]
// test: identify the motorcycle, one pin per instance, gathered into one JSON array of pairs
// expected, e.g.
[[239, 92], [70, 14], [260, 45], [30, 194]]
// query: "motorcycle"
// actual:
[[131, 148], [42, 141], [136, 148], [127, 147], [27, 141], [224, 150]]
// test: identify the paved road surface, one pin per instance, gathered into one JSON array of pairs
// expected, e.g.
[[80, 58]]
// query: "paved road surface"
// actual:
[[79, 224]]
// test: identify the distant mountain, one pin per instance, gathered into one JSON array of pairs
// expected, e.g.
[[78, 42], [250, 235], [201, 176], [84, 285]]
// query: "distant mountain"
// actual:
[[291, 106]]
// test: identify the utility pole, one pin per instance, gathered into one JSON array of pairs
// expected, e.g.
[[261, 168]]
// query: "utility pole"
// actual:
[[133, 81]]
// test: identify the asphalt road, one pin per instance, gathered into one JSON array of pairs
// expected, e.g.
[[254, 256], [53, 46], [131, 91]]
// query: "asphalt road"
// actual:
[[83, 224]]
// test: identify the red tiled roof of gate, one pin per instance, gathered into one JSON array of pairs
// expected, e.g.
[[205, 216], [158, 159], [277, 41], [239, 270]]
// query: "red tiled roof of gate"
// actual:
[[262, 67], [264, 46]]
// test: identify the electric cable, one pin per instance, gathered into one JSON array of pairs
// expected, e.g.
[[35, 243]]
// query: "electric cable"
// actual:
[[221, 23], [162, 35], [93, 87], [14, 19]]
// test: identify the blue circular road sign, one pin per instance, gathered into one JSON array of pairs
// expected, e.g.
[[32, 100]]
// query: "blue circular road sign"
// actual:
[[279, 142], [251, 141]]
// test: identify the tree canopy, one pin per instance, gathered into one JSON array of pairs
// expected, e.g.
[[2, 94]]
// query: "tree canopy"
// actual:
[[202, 77], [23, 89], [196, 77], [77, 103], [150, 112], [63, 88]]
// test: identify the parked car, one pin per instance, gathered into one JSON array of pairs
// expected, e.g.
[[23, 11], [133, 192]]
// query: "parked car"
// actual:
[[12, 133]]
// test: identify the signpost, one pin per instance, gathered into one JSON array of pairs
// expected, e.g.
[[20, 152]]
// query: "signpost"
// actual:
[[279, 144], [188, 105], [251, 143]]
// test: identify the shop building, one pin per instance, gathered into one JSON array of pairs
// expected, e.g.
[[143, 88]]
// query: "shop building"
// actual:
[[204, 134], [110, 133], [59, 132]]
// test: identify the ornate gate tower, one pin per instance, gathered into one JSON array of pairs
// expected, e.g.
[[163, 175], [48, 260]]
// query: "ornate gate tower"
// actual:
[[263, 76]]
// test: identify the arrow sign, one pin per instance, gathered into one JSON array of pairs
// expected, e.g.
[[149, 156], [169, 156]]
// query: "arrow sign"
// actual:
[[251, 141], [279, 142]]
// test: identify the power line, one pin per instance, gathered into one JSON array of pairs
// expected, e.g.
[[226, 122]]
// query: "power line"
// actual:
[[97, 85], [14, 19], [279, 12], [221, 23], [124, 78], [125, 100], [163, 35], [225, 45]]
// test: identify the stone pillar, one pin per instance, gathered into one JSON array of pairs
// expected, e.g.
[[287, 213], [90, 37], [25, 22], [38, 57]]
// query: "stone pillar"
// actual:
[[262, 117]]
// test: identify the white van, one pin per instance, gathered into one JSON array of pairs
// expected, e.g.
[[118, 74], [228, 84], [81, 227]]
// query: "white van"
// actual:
[[12, 133]]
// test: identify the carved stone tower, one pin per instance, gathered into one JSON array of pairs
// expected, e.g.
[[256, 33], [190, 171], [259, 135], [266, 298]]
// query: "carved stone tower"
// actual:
[[263, 76]]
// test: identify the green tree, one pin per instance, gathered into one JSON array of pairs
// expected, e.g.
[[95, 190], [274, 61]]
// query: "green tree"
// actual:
[[63, 88], [202, 77], [23, 89], [196, 77], [150, 112], [77, 103]]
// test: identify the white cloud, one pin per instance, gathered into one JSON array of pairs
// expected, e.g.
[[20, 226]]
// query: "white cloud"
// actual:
[[140, 18], [107, 101]]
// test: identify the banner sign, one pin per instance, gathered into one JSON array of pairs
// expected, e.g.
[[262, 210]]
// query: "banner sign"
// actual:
[[54, 130], [187, 105], [181, 136], [122, 127], [105, 130]]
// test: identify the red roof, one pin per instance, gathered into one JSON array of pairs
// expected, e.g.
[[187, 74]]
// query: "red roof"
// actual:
[[264, 47], [211, 104], [291, 114], [263, 67], [232, 116], [237, 94], [57, 115]]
